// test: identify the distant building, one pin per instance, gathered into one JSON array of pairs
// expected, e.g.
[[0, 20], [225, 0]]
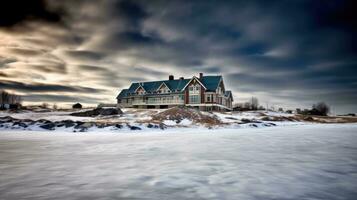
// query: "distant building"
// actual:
[[77, 106], [203, 92]]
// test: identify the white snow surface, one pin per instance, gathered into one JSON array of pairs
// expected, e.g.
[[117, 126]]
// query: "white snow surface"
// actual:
[[316, 161], [52, 116]]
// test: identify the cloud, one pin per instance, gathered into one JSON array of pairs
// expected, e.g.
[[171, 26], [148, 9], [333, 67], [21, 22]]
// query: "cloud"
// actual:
[[60, 98], [5, 61], [84, 55], [41, 87], [92, 68], [282, 51], [13, 12], [25, 52], [2, 74]]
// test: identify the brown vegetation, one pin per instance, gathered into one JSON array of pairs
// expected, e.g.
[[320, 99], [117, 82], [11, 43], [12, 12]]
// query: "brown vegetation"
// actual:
[[178, 114]]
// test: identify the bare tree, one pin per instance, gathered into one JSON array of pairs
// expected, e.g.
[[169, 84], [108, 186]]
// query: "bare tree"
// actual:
[[4, 97], [44, 105], [254, 103], [247, 106], [9, 98], [55, 107]]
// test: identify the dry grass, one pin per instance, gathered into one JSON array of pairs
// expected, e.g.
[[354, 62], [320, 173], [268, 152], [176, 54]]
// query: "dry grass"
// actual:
[[178, 114], [327, 119]]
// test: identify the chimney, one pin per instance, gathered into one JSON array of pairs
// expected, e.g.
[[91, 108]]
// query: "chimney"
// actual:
[[171, 77], [201, 75]]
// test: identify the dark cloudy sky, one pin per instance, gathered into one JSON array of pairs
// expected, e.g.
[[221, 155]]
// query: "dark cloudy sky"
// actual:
[[290, 53]]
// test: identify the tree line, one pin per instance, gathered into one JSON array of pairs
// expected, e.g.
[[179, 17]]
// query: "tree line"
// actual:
[[9, 98], [320, 108]]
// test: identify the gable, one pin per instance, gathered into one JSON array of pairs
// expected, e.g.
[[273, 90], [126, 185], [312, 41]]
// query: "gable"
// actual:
[[194, 80], [163, 86], [140, 89]]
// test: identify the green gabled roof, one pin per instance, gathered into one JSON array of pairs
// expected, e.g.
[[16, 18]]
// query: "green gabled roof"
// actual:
[[152, 86], [123, 94], [210, 82]]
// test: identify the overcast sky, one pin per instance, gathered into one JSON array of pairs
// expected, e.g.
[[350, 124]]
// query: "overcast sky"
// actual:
[[288, 53]]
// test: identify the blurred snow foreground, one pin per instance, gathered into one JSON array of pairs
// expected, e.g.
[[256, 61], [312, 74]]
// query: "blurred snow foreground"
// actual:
[[315, 161]]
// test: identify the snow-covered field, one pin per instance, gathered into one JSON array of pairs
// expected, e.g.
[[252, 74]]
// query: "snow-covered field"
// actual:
[[141, 119], [315, 161]]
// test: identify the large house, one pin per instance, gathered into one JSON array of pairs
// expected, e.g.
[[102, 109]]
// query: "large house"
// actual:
[[204, 92]]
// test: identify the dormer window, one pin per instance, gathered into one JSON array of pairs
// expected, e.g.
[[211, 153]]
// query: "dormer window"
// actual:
[[163, 89], [140, 90]]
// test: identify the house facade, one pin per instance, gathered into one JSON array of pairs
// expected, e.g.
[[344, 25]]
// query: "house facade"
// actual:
[[203, 92]]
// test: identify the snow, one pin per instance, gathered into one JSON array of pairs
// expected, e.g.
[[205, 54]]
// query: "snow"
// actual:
[[185, 122], [169, 122], [316, 161], [52, 116], [229, 117]]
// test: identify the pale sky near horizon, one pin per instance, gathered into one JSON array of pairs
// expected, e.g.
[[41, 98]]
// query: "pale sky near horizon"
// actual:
[[290, 54]]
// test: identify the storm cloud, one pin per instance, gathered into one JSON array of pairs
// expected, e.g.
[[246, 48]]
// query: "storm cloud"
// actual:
[[39, 87], [288, 53]]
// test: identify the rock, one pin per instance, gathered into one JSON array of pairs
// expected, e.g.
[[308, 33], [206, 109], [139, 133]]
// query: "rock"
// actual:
[[87, 125], [98, 111], [162, 126], [21, 124], [244, 120], [232, 118], [79, 122], [133, 128], [43, 121], [253, 125], [59, 124], [118, 126], [48, 126], [101, 125], [68, 123], [84, 125], [83, 130], [150, 126]]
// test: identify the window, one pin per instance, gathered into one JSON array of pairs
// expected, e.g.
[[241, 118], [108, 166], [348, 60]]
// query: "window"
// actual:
[[194, 89], [194, 99], [208, 99]]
